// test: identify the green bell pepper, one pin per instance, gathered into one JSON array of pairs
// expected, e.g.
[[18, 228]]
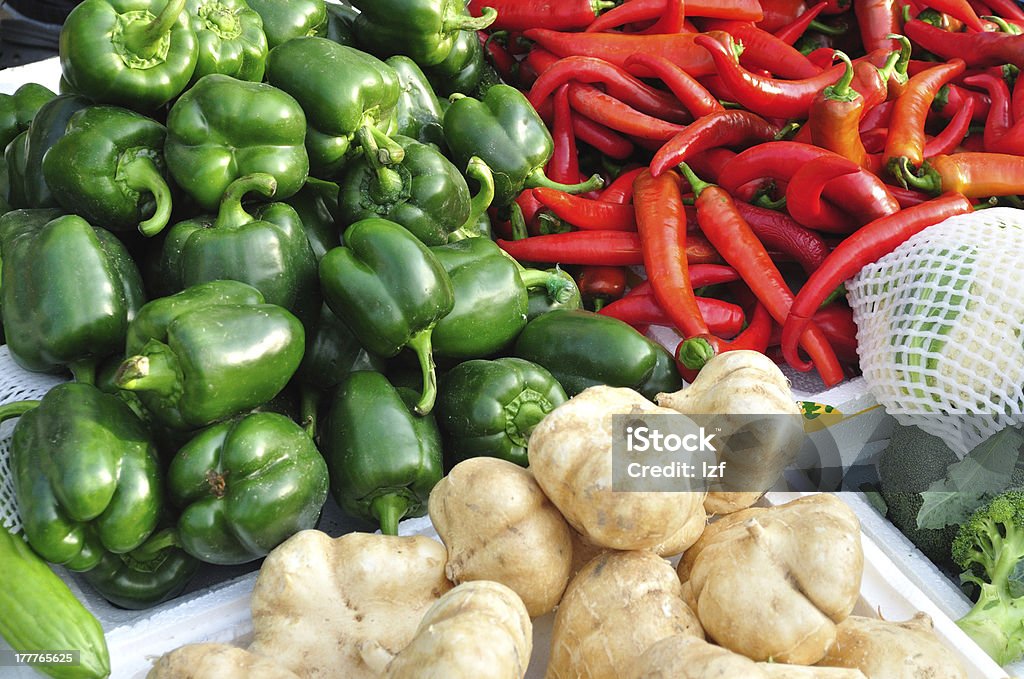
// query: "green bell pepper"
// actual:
[[109, 168], [418, 113], [230, 37], [582, 349], [316, 203], [18, 109], [142, 578], [354, 114], [5, 188], [214, 362], [490, 300], [68, 291], [424, 30], [489, 408], [223, 128], [245, 486], [134, 53], [24, 155], [268, 249], [425, 193], [341, 21], [86, 476], [463, 68], [505, 131], [153, 319], [390, 290], [332, 352], [559, 292], [287, 19], [383, 458]]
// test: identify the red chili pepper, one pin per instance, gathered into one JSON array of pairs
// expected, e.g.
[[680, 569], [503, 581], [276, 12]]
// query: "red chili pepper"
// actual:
[[671, 20], [791, 32], [601, 285], [977, 50], [975, 175], [693, 353], [723, 318], [721, 128], [1001, 135], [710, 163], [762, 50], [499, 57], [1017, 102], [606, 141], [804, 200], [620, 189], [741, 10], [585, 213], [833, 121], [680, 48], [1007, 9], [609, 248], [906, 139], [877, 19], [518, 15], [867, 245], [617, 81], [778, 13], [778, 231], [951, 98], [701, 276], [537, 60], [954, 132], [661, 224], [877, 116], [836, 321], [766, 96], [727, 231], [617, 115], [691, 94], [862, 194], [909, 197], [631, 11], [564, 164], [958, 9]]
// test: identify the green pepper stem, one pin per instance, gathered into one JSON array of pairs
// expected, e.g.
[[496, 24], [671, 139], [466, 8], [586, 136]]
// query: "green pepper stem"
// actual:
[[460, 21], [156, 543], [561, 289], [389, 510], [518, 221], [231, 214], [309, 401], [695, 352], [83, 371], [16, 409], [696, 183], [538, 178], [143, 37], [825, 29], [421, 346], [929, 180], [155, 370], [141, 174], [1004, 25], [841, 90], [388, 185], [528, 415], [480, 171], [599, 6]]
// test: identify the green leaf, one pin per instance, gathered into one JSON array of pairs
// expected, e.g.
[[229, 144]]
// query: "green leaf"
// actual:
[[969, 483]]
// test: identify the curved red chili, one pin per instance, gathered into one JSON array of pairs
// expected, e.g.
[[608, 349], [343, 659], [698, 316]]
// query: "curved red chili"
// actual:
[[762, 50], [693, 353], [620, 189], [723, 318], [778, 231], [671, 20], [958, 9], [876, 20], [632, 11], [975, 175], [1001, 134], [564, 164], [610, 248], [954, 132], [804, 200], [617, 115], [691, 94], [734, 239], [720, 128], [833, 120], [585, 213], [792, 31], [906, 138], [868, 244]]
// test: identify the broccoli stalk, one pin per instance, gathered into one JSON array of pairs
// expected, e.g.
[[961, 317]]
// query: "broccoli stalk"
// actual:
[[990, 550]]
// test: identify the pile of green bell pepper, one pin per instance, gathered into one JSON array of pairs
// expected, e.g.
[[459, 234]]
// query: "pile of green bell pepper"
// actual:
[[257, 236]]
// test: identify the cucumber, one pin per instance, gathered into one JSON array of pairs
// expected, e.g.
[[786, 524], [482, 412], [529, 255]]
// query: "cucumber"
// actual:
[[39, 614]]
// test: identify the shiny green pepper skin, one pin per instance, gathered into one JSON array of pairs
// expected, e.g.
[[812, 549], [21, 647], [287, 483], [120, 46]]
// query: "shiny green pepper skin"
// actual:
[[230, 37], [135, 582], [244, 486]]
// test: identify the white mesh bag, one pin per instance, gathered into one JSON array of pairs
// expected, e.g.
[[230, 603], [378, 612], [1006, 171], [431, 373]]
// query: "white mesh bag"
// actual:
[[940, 327], [16, 384]]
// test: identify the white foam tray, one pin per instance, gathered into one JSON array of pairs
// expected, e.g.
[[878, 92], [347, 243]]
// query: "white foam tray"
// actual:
[[898, 580]]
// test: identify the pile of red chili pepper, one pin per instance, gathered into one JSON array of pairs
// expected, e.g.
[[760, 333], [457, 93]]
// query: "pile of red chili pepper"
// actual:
[[758, 153]]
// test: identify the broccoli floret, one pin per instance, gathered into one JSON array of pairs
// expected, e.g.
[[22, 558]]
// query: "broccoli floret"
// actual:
[[990, 550]]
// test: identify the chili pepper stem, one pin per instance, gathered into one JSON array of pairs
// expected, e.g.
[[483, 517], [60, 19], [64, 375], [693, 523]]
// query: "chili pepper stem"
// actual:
[[16, 409], [928, 179], [421, 346], [231, 213], [156, 543], [695, 352], [388, 186], [538, 178], [460, 21], [696, 183], [141, 174], [841, 90], [156, 371], [896, 64], [389, 510], [141, 38]]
